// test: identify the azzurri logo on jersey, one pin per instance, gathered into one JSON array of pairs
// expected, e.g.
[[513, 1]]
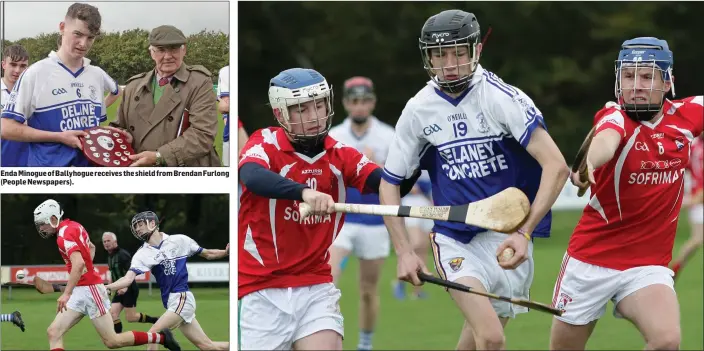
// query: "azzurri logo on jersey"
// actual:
[[472, 160]]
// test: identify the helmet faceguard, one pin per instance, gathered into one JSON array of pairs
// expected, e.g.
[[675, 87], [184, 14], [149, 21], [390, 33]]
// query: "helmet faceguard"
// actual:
[[47, 217], [144, 224], [643, 77], [450, 32], [302, 89]]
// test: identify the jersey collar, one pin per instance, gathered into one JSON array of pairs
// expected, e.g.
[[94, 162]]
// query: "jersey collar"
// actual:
[[54, 57], [3, 86], [476, 78]]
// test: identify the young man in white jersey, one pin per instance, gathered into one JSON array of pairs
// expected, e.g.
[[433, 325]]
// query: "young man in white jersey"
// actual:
[[165, 256], [15, 60], [363, 235], [476, 136], [622, 245], [60, 96], [224, 108]]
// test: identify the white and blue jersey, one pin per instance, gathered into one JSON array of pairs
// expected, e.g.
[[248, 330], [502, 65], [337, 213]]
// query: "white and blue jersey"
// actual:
[[376, 138], [167, 262], [14, 153], [224, 91], [49, 97], [472, 146]]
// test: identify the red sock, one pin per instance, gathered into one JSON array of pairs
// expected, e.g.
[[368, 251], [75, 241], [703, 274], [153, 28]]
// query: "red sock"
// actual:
[[57, 349], [676, 267], [142, 338]]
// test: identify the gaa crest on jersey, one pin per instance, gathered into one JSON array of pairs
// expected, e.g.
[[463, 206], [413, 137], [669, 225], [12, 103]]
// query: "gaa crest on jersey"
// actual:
[[93, 92], [456, 263], [562, 301]]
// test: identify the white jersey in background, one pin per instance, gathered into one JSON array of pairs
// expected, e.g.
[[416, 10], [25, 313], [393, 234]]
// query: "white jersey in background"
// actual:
[[473, 146], [224, 91], [49, 97]]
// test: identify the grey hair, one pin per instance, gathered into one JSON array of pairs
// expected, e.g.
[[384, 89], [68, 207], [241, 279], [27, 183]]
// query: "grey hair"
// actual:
[[114, 237]]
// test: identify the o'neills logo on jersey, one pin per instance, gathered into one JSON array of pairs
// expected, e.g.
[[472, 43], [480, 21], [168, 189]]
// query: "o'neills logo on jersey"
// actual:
[[472, 161], [291, 214], [78, 116]]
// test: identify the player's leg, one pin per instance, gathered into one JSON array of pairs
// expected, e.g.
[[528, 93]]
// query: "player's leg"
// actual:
[[225, 153], [129, 301], [458, 262], [341, 248], [690, 247], [373, 245], [466, 341], [320, 326], [15, 318], [582, 292], [195, 334], [63, 321], [266, 320], [649, 301], [115, 310]]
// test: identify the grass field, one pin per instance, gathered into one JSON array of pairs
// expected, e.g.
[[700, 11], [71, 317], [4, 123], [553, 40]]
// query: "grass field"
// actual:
[[112, 114], [38, 312], [435, 323]]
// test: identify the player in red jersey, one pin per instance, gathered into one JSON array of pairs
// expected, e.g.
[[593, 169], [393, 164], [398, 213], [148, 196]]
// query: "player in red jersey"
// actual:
[[286, 295], [623, 242], [695, 202], [85, 294]]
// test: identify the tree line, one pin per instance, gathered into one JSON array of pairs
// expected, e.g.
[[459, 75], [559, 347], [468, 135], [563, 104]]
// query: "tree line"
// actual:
[[125, 54], [203, 217], [560, 53]]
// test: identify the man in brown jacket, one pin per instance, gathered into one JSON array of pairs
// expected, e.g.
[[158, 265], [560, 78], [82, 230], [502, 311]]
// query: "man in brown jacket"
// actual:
[[169, 114]]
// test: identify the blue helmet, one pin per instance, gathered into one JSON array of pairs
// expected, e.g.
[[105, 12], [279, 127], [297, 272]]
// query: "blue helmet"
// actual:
[[295, 87], [639, 62]]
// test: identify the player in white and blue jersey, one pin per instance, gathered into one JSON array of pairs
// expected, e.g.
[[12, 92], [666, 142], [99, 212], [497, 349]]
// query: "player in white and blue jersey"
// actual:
[[58, 97], [364, 235], [476, 136], [15, 60], [224, 108], [165, 256]]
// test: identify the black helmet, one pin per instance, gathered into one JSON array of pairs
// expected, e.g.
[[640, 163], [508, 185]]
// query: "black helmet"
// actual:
[[450, 29], [150, 224]]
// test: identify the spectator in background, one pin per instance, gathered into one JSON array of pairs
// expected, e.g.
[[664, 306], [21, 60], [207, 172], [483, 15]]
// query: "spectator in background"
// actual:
[[170, 112], [15, 60]]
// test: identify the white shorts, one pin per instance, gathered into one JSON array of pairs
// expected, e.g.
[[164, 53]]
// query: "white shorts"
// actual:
[[368, 242], [225, 153], [583, 290], [90, 300], [273, 319], [477, 259], [696, 214], [426, 225], [183, 304]]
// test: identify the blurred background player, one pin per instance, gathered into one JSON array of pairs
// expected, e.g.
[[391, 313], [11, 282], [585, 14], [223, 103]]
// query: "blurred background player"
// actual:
[[15, 60], [476, 136], [621, 247], [119, 261], [695, 203], [165, 256], [363, 235], [286, 295], [418, 232], [85, 294], [14, 318], [224, 108], [63, 84]]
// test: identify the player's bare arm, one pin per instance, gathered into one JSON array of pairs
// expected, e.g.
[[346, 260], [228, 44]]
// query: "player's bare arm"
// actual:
[[77, 268], [554, 175], [13, 130], [224, 104], [110, 99], [91, 247], [242, 138], [214, 254], [123, 282], [601, 151]]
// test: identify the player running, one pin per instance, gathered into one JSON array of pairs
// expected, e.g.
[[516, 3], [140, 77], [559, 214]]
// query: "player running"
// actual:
[[165, 256], [15, 60], [60, 96], [695, 202], [621, 247], [476, 136], [224, 108], [119, 261], [14, 318], [363, 235], [85, 294], [286, 295]]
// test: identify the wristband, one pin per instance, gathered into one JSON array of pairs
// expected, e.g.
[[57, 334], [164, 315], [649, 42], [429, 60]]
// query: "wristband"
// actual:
[[524, 233]]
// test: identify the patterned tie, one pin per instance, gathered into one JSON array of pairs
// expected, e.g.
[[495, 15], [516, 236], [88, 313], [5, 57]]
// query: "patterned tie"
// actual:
[[163, 81]]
